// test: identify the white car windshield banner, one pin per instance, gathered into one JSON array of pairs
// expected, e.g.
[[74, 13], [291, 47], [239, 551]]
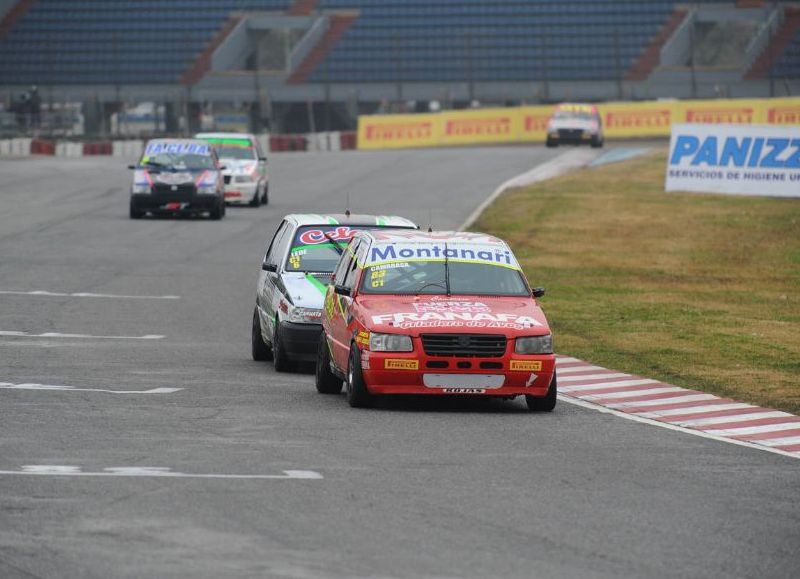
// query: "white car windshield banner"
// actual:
[[474, 253], [737, 159]]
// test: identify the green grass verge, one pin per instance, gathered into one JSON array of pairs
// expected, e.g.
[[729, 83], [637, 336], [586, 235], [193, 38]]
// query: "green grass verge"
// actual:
[[701, 291]]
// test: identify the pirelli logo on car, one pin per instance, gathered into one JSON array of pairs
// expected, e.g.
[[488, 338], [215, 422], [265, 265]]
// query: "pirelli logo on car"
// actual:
[[526, 365], [399, 364]]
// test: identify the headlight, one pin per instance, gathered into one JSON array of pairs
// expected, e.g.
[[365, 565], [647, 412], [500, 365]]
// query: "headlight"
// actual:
[[534, 345], [207, 189], [390, 343], [305, 316], [243, 179], [140, 189]]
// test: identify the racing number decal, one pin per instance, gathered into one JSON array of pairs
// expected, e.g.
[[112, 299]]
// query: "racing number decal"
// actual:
[[378, 278]]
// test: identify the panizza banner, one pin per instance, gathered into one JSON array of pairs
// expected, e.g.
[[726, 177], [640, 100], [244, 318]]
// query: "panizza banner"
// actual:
[[736, 159]]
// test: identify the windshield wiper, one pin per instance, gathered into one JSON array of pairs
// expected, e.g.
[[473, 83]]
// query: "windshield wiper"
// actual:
[[446, 271], [339, 249]]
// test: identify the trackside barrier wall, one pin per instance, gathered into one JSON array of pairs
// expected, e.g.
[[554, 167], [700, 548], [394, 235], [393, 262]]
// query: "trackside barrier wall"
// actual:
[[22, 147], [621, 120]]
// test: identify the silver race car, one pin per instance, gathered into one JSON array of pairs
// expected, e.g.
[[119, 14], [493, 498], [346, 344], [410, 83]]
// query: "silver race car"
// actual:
[[575, 124], [297, 266], [245, 174]]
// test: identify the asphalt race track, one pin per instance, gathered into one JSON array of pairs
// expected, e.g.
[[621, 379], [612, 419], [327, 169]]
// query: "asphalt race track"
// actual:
[[149, 384]]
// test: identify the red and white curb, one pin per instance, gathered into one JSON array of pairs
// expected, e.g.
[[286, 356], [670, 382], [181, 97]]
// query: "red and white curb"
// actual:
[[668, 406]]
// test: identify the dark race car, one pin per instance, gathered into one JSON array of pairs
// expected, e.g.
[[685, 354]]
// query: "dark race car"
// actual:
[[177, 176]]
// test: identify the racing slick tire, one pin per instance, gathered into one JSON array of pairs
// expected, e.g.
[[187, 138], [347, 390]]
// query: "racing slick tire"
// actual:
[[217, 212], [357, 394], [256, 200], [597, 143], [279, 358], [549, 143], [544, 403], [265, 198], [135, 213], [327, 382], [261, 351]]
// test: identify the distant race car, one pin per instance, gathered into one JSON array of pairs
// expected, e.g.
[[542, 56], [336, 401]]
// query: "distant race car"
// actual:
[[434, 313], [245, 174], [294, 274], [575, 124], [177, 176]]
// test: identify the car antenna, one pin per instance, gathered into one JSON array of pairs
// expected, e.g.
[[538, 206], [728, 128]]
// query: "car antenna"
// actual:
[[347, 206], [430, 221]]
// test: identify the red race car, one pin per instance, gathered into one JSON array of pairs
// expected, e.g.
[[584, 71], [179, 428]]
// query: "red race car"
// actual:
[[442, 313]]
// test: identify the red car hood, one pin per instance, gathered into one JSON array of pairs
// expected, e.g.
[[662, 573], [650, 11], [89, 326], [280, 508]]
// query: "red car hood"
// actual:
[[463, 314]]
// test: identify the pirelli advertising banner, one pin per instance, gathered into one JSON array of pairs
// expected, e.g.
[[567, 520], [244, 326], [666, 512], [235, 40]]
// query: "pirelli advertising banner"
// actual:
[[735, 159], [529, 124]]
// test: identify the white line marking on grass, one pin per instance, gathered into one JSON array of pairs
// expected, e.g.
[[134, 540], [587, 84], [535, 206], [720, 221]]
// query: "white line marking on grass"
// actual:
[[16, 334], [153, 471], [84, 295], [640, 418], [62, 388]]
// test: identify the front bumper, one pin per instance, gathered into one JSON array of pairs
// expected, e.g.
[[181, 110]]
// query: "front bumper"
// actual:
[[300, 341], [179, 204], [416, 373], [571, 137], [240, 193]]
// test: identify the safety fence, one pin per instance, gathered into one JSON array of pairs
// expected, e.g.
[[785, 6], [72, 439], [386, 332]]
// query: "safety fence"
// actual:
[[23, 147], [621, 120]]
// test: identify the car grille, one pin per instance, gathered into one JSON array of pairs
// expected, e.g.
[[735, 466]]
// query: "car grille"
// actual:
[[227, 179], [464, 345], [570, 133], [180, 192]]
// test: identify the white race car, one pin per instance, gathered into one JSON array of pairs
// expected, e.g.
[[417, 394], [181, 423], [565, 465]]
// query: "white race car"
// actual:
[[245, 174], [287, 319]]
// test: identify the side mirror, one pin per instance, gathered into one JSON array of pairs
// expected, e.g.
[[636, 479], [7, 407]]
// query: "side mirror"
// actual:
[[132, 167], [223, 167], [262, 159], [269, 266], [341, 290], [538, 292]]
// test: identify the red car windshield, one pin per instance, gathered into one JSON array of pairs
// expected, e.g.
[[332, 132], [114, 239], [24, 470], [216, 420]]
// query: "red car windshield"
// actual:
[[434, 277]]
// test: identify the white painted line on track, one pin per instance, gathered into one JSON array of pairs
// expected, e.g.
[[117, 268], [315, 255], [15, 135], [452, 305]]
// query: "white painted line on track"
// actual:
[[84, 295], [555, 167], [61, 388], [632, 393], [158, 472], [603, 385], [697, 410], [671, 400], [698, 422], [780, 441], [641, 419], [16, 334], [593, 377], [745, 430], [575, 369]]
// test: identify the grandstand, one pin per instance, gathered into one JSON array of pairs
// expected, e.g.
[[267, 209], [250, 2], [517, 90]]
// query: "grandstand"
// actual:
[[355, 54]]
